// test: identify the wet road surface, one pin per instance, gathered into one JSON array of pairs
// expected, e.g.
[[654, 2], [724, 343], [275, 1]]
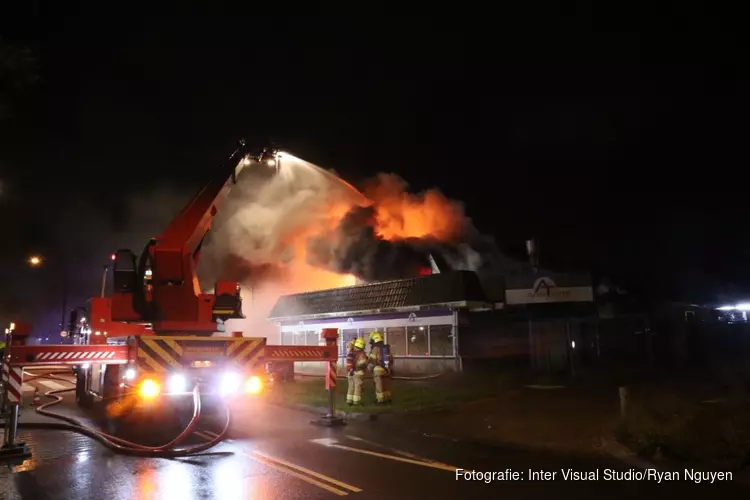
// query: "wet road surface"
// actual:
[[277, 454]]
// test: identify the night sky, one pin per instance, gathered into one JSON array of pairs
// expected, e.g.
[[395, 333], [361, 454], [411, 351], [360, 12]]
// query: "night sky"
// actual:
[[616, 139]]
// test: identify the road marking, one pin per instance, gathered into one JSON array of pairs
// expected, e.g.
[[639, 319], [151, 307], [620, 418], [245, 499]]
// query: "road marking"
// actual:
[[394, 450], [49, 384], [311, 472], [303, 477], [332, 443]]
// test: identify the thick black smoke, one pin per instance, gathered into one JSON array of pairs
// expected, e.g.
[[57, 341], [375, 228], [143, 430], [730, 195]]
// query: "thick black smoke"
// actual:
[[355, 248]]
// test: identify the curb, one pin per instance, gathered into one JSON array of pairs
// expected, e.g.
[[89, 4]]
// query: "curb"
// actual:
[[626, 455]]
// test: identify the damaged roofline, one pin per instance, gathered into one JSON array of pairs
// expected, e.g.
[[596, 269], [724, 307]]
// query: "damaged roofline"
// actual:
[[424, 307]]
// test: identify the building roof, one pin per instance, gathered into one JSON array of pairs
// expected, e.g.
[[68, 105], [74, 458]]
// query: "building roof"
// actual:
[[456, 289]]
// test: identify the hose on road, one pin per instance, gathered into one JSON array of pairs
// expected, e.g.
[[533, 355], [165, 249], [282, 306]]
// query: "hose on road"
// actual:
[[119, 445]]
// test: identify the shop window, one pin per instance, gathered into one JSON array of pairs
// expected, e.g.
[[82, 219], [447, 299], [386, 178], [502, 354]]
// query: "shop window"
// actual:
[[287, 338], [313, 337], [365, 333], [441, 340], [396, 337], [417, 340], [346, 336], [299, 337]]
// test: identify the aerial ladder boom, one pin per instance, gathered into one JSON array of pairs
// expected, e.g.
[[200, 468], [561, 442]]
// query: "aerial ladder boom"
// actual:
[[157, 326], [159, 292]]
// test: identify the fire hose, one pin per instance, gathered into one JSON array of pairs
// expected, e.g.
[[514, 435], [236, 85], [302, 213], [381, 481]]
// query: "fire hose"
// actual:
[[120, 445]]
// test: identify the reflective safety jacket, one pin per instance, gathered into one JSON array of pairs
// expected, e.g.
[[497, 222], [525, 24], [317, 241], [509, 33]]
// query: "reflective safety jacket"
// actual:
[[380, 355], [360, 360]]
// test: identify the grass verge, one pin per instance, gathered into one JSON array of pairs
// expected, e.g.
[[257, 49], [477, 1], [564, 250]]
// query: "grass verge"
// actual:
[[408, 395], [713, 432]]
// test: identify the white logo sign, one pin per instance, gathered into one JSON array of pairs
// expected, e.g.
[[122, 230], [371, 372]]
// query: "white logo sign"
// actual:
[[546, 290]]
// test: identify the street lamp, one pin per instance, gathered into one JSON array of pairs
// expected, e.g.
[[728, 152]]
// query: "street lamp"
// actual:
[[36, 261]]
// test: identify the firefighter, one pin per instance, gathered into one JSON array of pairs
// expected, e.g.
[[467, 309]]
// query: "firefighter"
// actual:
[[350, 355], [381, 363], [357, 374]]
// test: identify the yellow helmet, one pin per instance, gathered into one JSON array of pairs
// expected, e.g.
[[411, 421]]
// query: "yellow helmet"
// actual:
[[375, 337], [359, 343], [350, 344]]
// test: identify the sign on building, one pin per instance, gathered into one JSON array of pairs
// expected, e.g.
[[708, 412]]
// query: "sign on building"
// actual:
[[545, 290]]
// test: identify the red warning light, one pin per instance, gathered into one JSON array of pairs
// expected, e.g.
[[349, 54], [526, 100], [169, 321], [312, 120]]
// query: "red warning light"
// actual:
[[113, 256]]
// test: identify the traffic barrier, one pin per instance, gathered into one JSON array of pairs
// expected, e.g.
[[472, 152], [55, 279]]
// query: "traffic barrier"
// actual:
[[330, 335], [331, 376], [12, 452], [15, 385]]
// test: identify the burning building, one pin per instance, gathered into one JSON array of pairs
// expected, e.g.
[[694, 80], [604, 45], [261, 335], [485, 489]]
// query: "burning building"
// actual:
[[312, 252]]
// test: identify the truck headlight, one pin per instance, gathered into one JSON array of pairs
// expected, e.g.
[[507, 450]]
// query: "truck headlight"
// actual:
[[253, 385], [129, 374], [230, 383], [149, 389], [177, 383]]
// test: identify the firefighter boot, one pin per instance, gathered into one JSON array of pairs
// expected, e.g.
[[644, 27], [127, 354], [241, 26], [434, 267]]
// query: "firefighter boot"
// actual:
[[359, 386], [377, 376], [351, 389]]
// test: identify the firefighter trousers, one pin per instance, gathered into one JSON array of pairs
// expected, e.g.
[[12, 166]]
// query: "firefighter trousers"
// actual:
[[382, 378], [356, 387]]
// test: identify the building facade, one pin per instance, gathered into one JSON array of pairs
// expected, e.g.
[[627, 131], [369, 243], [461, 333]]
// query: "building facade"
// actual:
[[419, 318]]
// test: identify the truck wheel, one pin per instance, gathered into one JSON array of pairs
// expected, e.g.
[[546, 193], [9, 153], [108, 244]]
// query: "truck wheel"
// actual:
[[84, 399]]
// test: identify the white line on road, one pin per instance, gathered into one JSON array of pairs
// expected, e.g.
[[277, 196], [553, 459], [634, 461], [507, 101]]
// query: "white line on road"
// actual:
[[311, 472], [333, 443], [49, 384], [306, 478], [394, 450]]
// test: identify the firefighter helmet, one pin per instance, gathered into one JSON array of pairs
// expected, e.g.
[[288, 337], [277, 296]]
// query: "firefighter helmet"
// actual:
[[375, 337], [359, 343]]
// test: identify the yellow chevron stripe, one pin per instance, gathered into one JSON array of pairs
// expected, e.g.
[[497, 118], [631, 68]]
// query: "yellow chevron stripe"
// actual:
[[252, 362], [152, 363], [234, 345], [247, 350], [154, 345], [174, 345]]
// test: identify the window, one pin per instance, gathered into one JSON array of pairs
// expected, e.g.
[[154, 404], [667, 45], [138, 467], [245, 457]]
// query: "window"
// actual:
[[417, 340], [365, 333], [396, 337], [287, 338], [346, 336], [299, 337], [313, 337], [441, 340]]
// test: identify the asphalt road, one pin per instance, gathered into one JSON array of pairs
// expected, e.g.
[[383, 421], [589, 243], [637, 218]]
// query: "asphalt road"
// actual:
[[277, 453]]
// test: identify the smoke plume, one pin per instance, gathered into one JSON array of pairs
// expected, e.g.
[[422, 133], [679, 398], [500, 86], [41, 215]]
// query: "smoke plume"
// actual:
[[305, 229]]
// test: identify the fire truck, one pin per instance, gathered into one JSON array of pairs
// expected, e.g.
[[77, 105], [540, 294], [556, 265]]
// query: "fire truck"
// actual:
[[158, 340]]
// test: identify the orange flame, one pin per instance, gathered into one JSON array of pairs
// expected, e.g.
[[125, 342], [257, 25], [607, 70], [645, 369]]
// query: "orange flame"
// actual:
[[401, 215]]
